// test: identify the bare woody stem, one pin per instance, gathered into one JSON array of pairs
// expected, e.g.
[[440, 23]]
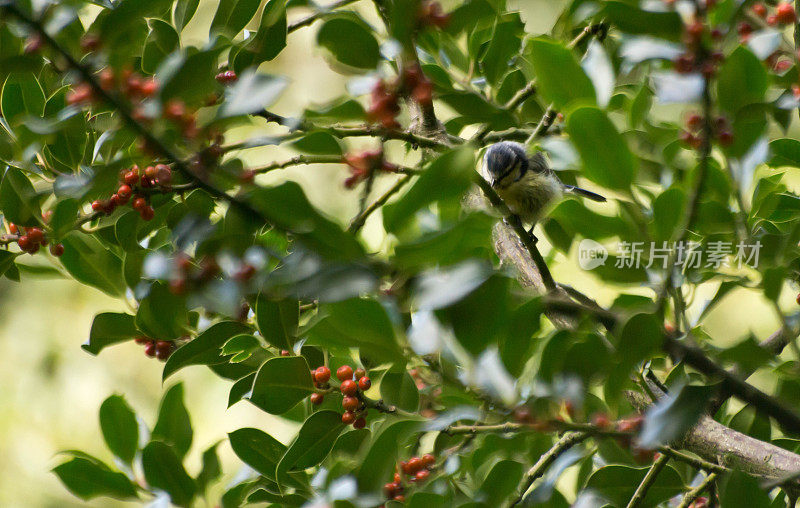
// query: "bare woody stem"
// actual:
[[308, 20], [648, 481], [562, 445], [693, 494], [361, 219]]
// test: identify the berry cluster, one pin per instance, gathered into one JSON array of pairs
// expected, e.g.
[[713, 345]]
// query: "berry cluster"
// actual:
[[697, 57], [186, 274], [416, 469], [721, 130], [161, 349], [363, 164], [226, 77], [31, 239], [784, 13], [131, 84], [132, 180], [385, 97], [352, 386], [430, 13]]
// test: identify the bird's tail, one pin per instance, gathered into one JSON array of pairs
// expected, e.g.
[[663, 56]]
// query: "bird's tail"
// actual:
[[585, 193]]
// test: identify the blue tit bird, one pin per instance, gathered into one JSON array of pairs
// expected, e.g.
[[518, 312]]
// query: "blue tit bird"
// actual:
[[527, 184]]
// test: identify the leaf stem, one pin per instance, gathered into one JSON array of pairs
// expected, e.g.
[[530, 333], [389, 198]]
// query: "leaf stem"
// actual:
[[648, 481]]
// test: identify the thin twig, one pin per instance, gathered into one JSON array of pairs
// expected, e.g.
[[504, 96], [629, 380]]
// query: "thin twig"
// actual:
[[359, 221], [648, 481], [317, 15], [693, 494], [562, 445]]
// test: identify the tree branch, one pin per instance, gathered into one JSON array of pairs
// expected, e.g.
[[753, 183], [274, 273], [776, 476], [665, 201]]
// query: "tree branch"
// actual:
[[565, 443], [695, 492], [317, 15], [648, 481], [359, 221]]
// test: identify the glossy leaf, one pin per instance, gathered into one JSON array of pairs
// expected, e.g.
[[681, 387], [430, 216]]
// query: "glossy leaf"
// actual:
[[606, 157], [257, 449], [205, 349], [109, 328], [119, 427], [88, 479], [281, 383], [349, 41], [163, 470], [313, 443], [559, 77], [173, 426]]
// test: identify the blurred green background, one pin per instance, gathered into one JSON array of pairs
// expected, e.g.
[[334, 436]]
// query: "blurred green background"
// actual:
[[51, 390]]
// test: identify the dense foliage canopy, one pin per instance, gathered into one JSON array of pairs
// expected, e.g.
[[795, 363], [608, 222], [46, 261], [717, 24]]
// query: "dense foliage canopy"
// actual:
[[430, 358]]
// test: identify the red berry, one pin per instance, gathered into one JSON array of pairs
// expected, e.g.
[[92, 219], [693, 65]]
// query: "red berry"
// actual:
[[57, 249], [631, 424], [359, 373], [163, 349], [141, 340], [760, 10], [147, 213], [360, 423], [684, 64], [285, 352], [97, 205], [24, 243], [364, 383], [124, 191], [131, 178], [397, 478], [400, 498], [150, 349], [12, 228], [36, 235], [414, 465], [798, 299], [772, 20], [148, 88], [139, 204], [694, 32], [317, 398], [90, 42], [694, 122], [422, 475], [344, 372], [174, 110], [744, 29], [350, 403], [348, 417], [725, 138], [785, 13], [348, 387], [322, 374], [389, 489]]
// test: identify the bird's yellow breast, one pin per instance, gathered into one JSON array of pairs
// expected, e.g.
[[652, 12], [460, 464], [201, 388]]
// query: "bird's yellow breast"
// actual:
[[532, 196]]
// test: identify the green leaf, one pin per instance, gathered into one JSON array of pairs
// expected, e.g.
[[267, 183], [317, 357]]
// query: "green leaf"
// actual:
[[281, 383], [205, 349], [503, 45], [559, 76], [90, 263], [252, 93], [606, 157], [741, 489], [313, 443], [18, 200], [667, 212], [211, 468], [257, 449], [481, 316], [742, 80], [383, 453], [7, 263], [358, 322], [188, 78], [88, 478], [119, 427], [162, 40], [184, 11], [468, 238], [672, 416], [163, 470], [65, 215], [501, 482], [349, 40], [109, 328], [399, 389], [630, 19], [162, 315], [277, 321], [618, 483], [268, 41], [447, 177], [232, 16], [173, 426], [639, 338], [119, 25], [287, 207], [22, 95], [784, 152], [318, 143]]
